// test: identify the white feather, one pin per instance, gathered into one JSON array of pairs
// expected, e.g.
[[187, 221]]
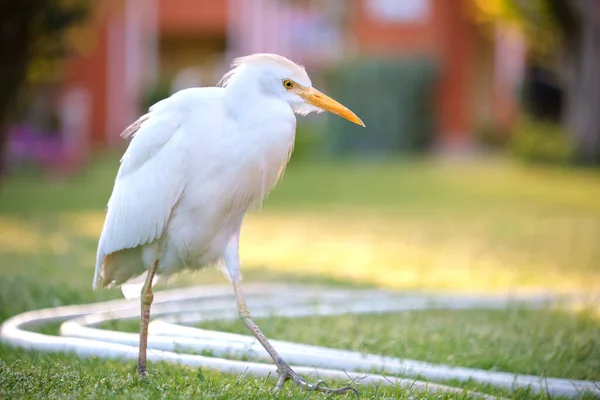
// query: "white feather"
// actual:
[[196, 162], [187, 177]]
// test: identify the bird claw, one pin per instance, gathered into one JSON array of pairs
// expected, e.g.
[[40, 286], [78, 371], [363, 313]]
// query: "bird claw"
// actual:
[[285, 373]]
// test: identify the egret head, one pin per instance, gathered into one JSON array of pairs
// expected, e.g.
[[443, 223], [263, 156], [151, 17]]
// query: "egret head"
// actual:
[[279, 77]]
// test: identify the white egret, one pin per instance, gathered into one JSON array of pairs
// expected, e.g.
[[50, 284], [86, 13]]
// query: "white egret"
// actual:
[[195, 164]]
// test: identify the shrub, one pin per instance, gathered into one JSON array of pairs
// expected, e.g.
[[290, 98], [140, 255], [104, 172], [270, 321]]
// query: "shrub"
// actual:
[[537, 141], [395, 99]]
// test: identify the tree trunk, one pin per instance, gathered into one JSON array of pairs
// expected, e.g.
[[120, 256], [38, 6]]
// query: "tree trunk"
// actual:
[[15, 46], [582, 113]]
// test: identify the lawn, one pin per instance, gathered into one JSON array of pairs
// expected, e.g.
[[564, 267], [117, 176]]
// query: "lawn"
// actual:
[[477, 227]]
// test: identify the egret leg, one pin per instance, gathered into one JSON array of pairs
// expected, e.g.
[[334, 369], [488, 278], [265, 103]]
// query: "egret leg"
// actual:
[[146, 299], [284, 371]]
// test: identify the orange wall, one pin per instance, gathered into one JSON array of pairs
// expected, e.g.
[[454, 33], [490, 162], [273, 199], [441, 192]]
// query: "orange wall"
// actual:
[[454, 85], [89, 70], [377, 37], [192, 16], [445, 35]]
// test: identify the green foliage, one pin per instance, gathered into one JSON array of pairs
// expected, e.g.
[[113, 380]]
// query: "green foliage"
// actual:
[[536, 141], [53, 31], [51, 20], [534, 18], [394, 99]]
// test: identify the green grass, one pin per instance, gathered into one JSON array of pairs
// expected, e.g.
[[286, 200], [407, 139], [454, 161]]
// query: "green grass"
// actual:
[[464, 227], [494, 340], [25, 377]]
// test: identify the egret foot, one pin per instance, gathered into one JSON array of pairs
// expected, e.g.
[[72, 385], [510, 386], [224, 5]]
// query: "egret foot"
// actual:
[[285, 372]]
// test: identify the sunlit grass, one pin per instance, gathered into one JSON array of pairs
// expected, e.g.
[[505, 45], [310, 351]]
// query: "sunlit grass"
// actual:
[[437, 226], [484, 226]]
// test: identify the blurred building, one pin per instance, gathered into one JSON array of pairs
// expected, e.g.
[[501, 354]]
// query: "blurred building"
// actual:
[[141, 46]]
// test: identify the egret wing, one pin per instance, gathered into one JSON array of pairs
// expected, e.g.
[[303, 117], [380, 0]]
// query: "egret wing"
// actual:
[[149, 183]]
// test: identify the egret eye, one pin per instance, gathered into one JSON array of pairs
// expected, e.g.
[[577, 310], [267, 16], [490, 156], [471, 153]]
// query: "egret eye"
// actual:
[[288, 84]]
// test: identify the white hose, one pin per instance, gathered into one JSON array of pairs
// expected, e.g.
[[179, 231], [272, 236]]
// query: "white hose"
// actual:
[[170, 341]]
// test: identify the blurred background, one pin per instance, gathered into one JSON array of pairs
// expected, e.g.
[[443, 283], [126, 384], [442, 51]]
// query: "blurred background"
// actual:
[[426, 75], [475, 170]]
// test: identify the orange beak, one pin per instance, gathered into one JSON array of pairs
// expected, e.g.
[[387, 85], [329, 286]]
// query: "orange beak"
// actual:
[[324, 102]]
